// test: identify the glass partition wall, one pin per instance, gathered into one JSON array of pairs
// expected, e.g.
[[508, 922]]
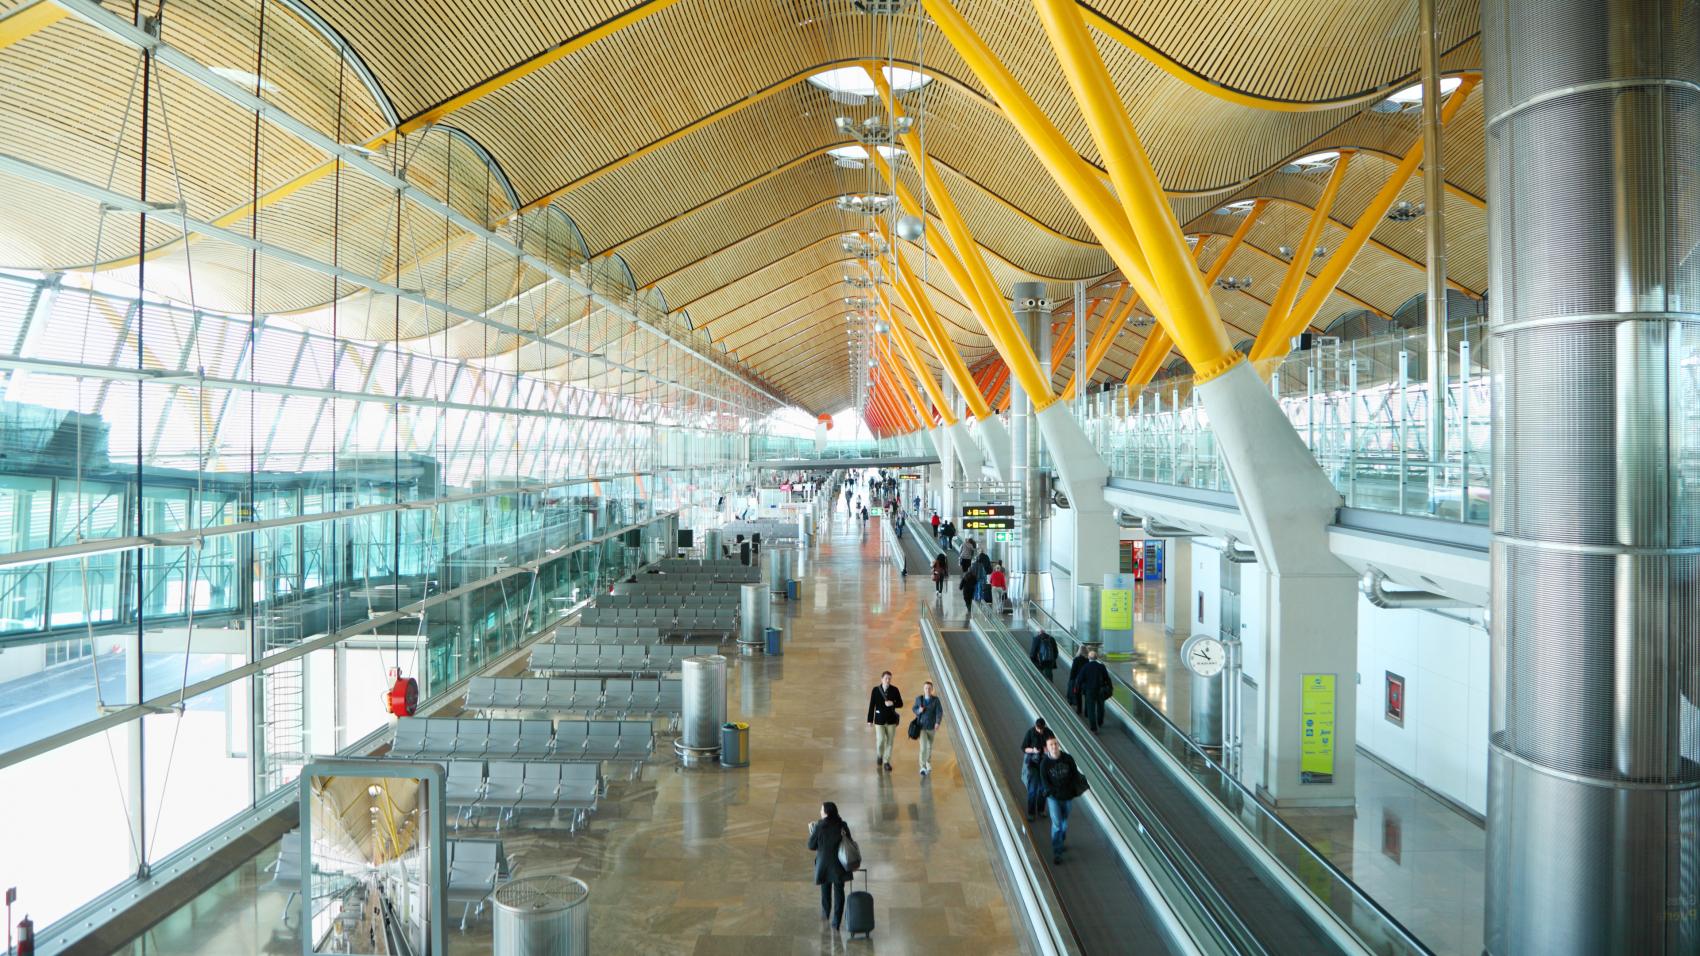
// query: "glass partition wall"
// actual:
[[290, 400]]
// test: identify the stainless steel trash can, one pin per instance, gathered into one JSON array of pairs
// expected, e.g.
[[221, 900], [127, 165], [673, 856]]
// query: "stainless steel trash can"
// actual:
[[735, 745], [772, 635], [542, 916]]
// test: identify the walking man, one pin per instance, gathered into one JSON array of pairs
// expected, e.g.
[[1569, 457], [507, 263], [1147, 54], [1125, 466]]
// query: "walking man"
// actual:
[[1062, 782], [1094, 688], [928, 713], [1032, 751], [1075, 668], [884, 704]]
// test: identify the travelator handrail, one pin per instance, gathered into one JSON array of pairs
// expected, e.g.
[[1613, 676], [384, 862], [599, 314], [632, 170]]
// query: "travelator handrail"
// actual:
[[1049, 926], [1176, 885], [1236, 800], [894, 545]]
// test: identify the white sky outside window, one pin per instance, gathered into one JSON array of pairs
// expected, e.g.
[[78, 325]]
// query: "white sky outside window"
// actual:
[[855, 80]]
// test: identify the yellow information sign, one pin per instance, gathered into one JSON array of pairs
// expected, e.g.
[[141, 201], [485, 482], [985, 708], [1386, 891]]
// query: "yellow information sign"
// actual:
[[1115, 608], [1316, 755]]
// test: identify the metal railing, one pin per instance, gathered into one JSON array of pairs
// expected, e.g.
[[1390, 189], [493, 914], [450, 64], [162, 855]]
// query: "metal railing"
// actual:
[[1304, 865], [1359, 405]]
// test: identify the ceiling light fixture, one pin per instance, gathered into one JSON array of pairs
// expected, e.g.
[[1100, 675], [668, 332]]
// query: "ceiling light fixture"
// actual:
[[1233, 284], [1235, 208], [1403, 211]]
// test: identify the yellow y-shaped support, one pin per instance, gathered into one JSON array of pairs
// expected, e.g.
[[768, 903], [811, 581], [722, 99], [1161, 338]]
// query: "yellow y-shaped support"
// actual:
[[1157, 345], [1328, 279], [1276, 317], [1017, 352], [1198, 331], [894, 369], [900, 335], [1147, 208], [1115, 317]]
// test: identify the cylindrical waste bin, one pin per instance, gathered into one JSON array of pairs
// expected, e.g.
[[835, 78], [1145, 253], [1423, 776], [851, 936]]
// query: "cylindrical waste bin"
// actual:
[[793, 589], [778, 568], [772, 635], [704, 680], [752, 614], [542, 916], [711, 544], [735, 745]]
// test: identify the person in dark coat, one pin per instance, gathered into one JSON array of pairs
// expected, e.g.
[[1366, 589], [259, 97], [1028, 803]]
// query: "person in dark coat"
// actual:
[[940, 571], [969, 584], [1062, 782], [1094, 687], [1043, 653], [825, 835], [883, 706], [1032, 750], [1074, 669]]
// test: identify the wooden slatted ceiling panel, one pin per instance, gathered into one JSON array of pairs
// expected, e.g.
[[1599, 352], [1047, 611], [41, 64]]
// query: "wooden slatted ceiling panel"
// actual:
[[1283, 50], [821, 295], [707, 309], [746, 256], [1016, 238], [427, 51], [682, 241]]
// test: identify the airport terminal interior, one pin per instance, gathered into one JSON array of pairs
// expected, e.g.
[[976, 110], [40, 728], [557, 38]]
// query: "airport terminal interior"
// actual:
[[1051, 477]]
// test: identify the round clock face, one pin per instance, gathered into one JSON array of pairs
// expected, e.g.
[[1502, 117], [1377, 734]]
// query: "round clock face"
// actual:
[[1204, 656]]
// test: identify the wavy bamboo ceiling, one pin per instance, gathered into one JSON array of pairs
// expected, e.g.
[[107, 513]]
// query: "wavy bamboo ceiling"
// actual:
[[682, 137]]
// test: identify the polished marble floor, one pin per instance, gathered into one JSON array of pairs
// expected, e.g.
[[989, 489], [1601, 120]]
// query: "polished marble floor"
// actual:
[[711, 861]]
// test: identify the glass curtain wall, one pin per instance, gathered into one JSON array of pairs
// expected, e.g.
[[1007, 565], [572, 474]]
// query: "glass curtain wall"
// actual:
[[290, 401]]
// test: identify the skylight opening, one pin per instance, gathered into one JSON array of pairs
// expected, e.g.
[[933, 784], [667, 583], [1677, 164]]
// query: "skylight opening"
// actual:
[[1314, 160], [859, 152], [854, 80], [1235, 208], [1413, 94]]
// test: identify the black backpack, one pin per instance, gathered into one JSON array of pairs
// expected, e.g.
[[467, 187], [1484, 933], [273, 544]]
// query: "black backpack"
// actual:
[[1047, 649]]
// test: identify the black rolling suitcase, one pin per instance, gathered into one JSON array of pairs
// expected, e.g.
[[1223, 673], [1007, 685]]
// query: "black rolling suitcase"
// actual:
[[859, 913]]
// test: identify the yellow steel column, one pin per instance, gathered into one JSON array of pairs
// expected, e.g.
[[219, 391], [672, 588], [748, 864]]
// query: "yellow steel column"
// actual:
[[1011, 344], [1282, 304], [914, 292], [1200, 335], [900, 334], [1157, 344], [1114, 319], [895, 370], [1329, 278], [1147, 208]]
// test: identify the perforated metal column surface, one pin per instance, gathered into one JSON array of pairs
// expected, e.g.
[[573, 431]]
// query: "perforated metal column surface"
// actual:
[[1594, 206], [1033, 317]]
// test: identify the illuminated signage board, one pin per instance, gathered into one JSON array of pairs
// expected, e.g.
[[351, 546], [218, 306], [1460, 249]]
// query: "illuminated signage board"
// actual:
[[988, 517]]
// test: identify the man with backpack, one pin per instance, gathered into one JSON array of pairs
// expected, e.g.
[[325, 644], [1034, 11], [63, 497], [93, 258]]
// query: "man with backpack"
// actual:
[[1062, 782], [1043, 654]]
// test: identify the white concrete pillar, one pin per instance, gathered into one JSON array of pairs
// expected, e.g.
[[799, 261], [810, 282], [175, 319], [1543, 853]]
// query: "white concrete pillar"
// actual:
[[1178, 602]]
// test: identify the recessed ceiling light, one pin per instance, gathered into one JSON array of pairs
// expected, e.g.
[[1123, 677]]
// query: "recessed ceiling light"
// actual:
[[855, 81]]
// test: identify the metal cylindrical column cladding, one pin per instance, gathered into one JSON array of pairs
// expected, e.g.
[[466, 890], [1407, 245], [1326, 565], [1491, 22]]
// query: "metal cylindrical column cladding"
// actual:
[[1088, 613], [541, 916], [704, 680], [1594, 172], [752, 612], [778, 567], [1033, 561], [711, 543]]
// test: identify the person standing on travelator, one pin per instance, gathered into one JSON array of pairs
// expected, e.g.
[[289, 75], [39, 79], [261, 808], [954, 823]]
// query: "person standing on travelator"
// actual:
[[1094, 688], [968, 586], [1032, 750], [1075, 668], [1043, 653], [884, 705], [1062, 783], [965, 557], [928, 712], [825, 836]]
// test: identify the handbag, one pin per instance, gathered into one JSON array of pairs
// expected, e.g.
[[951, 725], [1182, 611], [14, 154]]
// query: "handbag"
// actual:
[[849, 854], [915, 729]]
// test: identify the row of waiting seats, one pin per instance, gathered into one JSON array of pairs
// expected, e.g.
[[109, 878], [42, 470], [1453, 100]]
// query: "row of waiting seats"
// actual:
[[605, 634], [685, 620], [613, 697], [679, 600], [509, 786], [586, 659], [669, 565], [690, 588], [437, 738]]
